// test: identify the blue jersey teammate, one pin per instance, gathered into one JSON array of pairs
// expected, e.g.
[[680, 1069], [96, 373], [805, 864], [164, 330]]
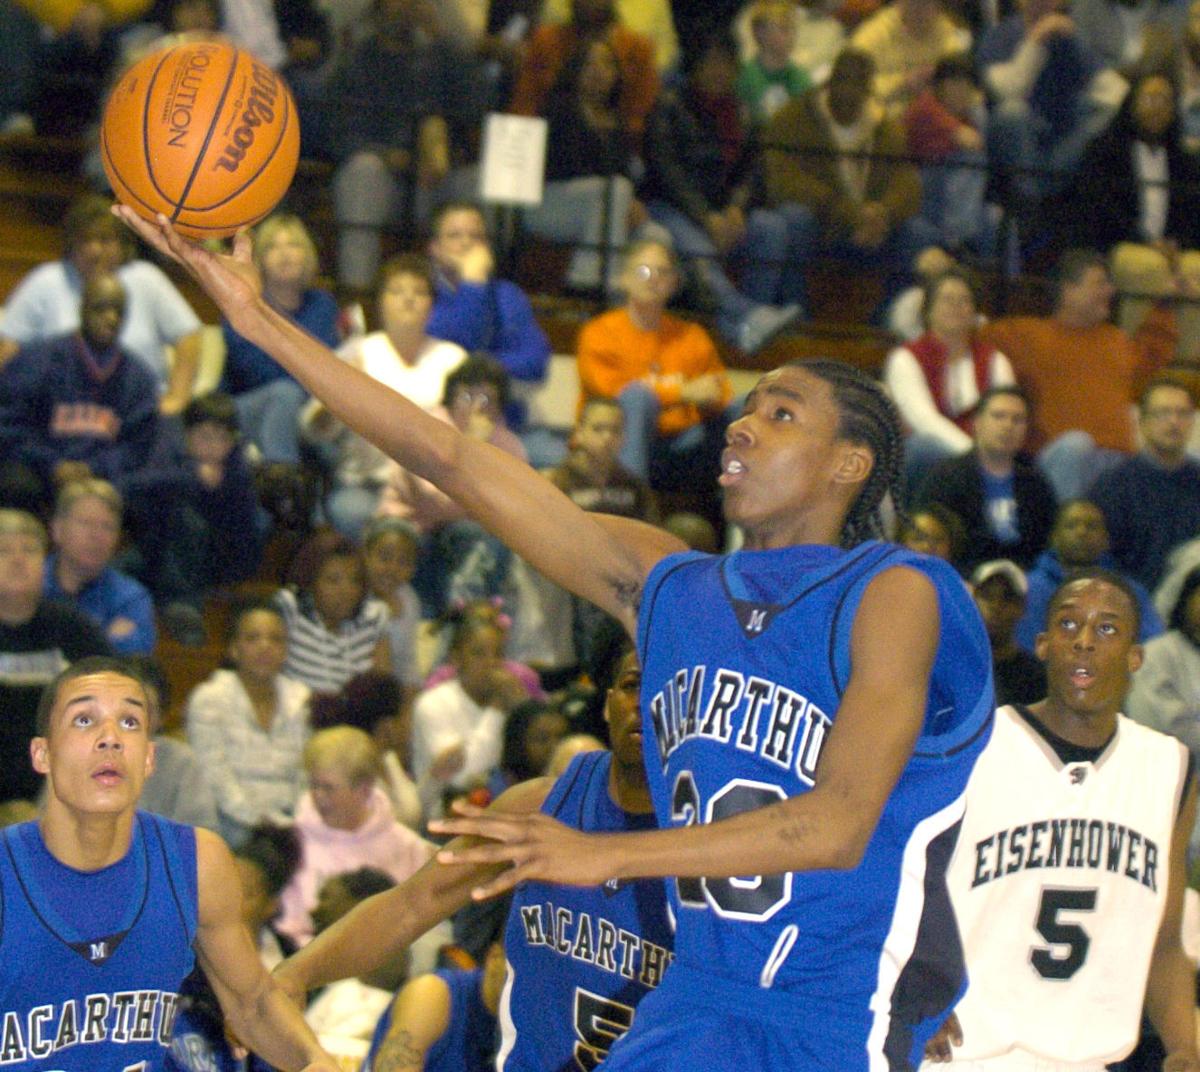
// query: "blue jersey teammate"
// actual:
[[104, 905], [579, 959], [816, 703]]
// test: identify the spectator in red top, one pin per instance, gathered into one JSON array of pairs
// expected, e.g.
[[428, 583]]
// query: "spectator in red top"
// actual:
[[942, 124], [551, 47]]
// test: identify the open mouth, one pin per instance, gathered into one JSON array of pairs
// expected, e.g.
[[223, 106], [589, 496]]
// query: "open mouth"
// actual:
[[732, 469], [108, 776], [1081, 677]]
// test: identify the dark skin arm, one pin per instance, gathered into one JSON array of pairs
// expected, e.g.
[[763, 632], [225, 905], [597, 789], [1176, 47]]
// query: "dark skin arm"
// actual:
[[382, 927], [880, 715], [1171, 987], [567, 545]]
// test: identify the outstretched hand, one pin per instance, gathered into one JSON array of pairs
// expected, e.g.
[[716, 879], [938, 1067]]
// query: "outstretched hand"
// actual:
[[537, 847], [231, 280]]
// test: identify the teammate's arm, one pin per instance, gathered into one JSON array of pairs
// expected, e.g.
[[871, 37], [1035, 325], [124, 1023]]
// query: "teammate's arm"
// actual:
[[872, 738], [505, 495], [420, 1016], [384, 926], [257, 1009], [1171, 988]]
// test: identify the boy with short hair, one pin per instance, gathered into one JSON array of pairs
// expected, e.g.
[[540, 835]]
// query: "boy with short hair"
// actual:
[[771, 77]]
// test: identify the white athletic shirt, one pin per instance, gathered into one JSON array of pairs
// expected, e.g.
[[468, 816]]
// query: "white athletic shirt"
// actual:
[[1059, 882]]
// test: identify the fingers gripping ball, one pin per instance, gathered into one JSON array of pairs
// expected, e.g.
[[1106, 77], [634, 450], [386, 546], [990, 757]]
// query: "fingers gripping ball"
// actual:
[[204, 133]]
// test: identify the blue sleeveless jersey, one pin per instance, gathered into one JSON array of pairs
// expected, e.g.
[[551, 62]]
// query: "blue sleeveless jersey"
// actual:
[[744, 661], [469, 1041], [78, 998], [580, 959]]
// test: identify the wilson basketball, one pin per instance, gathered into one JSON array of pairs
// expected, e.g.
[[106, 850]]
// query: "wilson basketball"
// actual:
[[203, 132]]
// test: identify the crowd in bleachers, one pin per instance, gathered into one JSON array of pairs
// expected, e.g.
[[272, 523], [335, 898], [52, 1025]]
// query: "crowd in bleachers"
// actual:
[[382, 653]]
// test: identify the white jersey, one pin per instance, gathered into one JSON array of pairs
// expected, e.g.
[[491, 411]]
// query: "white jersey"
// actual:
[[1059, 882]]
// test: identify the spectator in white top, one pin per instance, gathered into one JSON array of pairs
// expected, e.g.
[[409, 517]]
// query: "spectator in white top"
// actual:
[[335, 629], [48, 302], [938, 379], [405, 358], [458, 726], [248, 725], [345, 822]]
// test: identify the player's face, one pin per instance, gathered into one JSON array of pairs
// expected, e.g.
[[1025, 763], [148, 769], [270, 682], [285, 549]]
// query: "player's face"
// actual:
[[784, 463], [1091, 295], [600, 72], [22, 558], [341, 803], [1090, 648], [98, 751], [1167, 420], [600, 433], [458, 233], [259, 645], [87, 537], [1080, 535], [338, 589], [475, 398], [391, 561], [1154, 106], [622, 713], [1001, 425], [405, 303]]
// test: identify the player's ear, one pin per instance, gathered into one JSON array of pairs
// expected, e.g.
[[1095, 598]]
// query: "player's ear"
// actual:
[[855, 464], [1136, 654], [39, 755], [1039, 646], [151, 757]]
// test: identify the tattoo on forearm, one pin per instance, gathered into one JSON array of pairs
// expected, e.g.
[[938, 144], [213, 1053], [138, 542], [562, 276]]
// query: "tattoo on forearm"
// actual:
[[398, 1052]]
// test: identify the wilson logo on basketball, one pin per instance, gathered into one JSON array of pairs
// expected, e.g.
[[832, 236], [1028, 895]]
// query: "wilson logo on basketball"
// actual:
[[260, 108]]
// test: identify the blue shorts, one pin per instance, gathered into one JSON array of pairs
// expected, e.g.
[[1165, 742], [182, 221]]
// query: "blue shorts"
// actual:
[[697, 1020]]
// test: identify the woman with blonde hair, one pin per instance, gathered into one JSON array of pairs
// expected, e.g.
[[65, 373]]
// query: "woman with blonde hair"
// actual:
[[268, 399]]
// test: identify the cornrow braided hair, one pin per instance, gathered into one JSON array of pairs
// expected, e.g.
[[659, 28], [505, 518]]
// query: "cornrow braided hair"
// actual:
[[869, 417]]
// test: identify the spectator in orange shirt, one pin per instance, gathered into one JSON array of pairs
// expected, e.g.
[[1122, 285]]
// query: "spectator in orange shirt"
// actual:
[[665, 373], [1082, 372], [551, 47]]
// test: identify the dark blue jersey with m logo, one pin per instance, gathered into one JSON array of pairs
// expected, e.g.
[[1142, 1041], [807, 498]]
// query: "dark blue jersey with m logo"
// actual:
[[744, 661]]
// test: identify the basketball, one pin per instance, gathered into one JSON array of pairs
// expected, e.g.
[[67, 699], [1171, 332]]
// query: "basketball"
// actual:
[[203, 132]]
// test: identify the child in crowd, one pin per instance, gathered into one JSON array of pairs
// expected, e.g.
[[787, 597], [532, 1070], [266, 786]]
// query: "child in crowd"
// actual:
[[491, 612], [344, 821], [770, 78], [194, 512], [248, 725], [390, 549], [943, 126], [531, 734], [335, 629], [458, 726]]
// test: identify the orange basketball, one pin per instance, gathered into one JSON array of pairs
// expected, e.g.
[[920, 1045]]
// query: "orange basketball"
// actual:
[[203, 132]]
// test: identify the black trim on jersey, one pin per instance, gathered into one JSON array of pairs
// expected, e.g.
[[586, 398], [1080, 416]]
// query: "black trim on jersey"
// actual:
[[691, 559], [933, 977], [1067, 751], [839, 686], [75, 947], [170, 872], [585, 768], [984, 725], [1189, 774]]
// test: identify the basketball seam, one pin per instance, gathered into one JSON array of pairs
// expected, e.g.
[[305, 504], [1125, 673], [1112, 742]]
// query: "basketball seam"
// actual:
[[187, 186]]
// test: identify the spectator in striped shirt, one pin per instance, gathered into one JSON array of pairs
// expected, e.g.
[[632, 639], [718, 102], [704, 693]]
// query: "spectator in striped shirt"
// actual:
[[335, 629]]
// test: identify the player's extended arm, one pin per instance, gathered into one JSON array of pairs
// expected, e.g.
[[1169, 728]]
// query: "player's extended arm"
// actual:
[[420, 1016], [382, 927], [880, 716], [1171, 988], [505, 495], [256, 1007]]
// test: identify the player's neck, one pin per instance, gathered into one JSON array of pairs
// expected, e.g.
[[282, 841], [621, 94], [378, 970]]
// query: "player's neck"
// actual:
[[85, 841], [794, 531], [628, 789], [1089, 729]]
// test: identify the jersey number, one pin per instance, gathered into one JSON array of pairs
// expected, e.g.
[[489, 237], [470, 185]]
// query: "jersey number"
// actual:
[[753, 898], [599, 1022], [1061, 965]]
